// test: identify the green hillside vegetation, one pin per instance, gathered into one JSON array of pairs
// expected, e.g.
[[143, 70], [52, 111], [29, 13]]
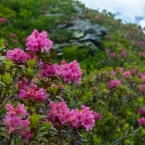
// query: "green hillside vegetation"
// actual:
[[120, 57]]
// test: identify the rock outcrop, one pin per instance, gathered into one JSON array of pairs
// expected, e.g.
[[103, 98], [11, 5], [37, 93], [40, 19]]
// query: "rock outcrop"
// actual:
[[82, 31]]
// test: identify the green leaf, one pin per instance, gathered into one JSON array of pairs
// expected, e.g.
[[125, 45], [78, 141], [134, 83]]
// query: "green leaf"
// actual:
[[2, 43], [2, 57], [2, 84], [31, 63], [29, 71], [7, 78], [34, 119]]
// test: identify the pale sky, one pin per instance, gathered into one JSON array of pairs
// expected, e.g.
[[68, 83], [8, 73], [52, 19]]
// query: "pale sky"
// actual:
[[132, 11]]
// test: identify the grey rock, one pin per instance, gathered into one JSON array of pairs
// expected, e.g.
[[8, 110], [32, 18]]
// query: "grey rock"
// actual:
[[84, 33], [88, 37], [61, 26], [54, 15], [78, 34], [79, 10]]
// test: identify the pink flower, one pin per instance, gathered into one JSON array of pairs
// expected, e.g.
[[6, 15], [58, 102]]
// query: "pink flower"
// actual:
[[126, 74], [142, 77], [141, 111], [121, 69], [123, 54], [17, 55], [132, 43], [5, 44], [38, 42], [141, 54], [26, 134], [141, 121], [142, 88], [113, 84], [107, 49], [12, 35], [60, 113], [97, 116], [15, 117], [98, 18], [33, 93], [70, 72], [48, 70], [2, 20], [15, 41], [112, 55], [24, 40], [57, 86], [141, 43], [112, 72], [133, 71]]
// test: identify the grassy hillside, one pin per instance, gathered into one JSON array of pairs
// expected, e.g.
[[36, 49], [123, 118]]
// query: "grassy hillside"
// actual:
[[113, 80]]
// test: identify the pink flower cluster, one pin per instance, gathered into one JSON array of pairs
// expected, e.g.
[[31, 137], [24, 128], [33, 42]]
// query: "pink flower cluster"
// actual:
[[17, 55], [112, 72], [123, 54], [112, 55], [48, 70], [126, 74], [142, 77], [60, 113], [2, 20], [70, 72], [142, 88], [38, 42], [16, 118], [141, 43], [142, 54], [141, 111], [98, 18], [12, 35], [141, 121], [113, 84], [31, 92]]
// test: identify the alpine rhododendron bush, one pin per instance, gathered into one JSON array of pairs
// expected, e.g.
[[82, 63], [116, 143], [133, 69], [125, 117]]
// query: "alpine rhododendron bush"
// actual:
[[79, 96], [32, 102]]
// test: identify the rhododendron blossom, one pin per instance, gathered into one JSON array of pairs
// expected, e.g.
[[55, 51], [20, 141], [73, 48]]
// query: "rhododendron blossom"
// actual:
[[133, 71], [113, 84], [48, 70], [2, 20], [142, 77], [31, 91], [112, 55], [112, 72], [38, 42], [141, 111], [141, 121], [12, 35], [126, 74], [141, 43], [76, 118], [123, 54], [17, 55], [15, 117], [15, 41], [121, 69], [70, 72], [142, 88], [98, 18], [141, 54]]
